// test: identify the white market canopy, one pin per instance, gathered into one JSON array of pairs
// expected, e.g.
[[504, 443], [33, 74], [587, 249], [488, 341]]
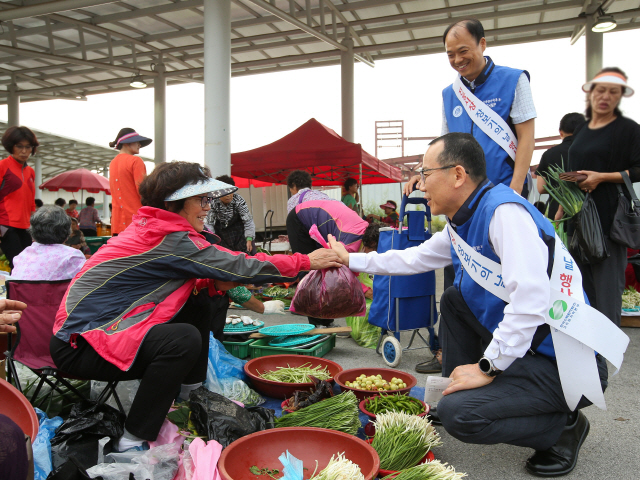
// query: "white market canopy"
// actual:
[[74, 48]]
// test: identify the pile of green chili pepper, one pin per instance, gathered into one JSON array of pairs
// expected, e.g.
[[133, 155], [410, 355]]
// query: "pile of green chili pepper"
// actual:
[[336, 413], [299, 374], [394, 403]]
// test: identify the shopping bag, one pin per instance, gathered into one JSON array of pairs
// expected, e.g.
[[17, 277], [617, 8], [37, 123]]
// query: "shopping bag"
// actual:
[[588, 241], [625, 229]]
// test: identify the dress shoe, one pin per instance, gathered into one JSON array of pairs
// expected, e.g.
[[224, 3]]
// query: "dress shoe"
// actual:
[[430, 366], [433, 416], [563, 456]]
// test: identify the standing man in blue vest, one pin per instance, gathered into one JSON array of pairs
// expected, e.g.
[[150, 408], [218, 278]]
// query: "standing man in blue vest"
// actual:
[[495, 105], [498, 348]]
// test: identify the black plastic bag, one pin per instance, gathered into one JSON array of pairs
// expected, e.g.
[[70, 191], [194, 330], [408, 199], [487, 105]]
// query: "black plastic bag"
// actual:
[[78, 436], [224, 421], [70, 470], [588, 243]]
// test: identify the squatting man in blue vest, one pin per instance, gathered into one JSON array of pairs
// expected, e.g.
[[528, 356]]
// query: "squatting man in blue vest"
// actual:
[[505, 384]]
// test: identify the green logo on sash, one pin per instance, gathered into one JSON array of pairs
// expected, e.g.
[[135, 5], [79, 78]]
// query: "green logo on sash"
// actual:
[[558, 309]]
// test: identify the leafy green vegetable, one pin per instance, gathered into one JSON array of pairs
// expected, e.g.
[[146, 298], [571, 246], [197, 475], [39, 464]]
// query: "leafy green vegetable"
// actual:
[[299, 374]]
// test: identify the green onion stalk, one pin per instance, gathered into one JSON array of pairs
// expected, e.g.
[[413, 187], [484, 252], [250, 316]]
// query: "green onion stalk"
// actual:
[[568, 196], [339, 468], [428, 471], [402, 440], [339, 412]]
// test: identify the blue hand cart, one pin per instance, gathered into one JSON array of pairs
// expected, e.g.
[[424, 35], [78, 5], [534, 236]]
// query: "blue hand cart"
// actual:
[[404, 303]]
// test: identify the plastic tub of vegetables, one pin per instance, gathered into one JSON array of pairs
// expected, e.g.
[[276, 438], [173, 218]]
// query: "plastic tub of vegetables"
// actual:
[[313, 446], [278, 376], [368, 382]]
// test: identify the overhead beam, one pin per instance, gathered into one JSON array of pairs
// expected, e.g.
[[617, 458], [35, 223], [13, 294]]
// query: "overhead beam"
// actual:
[[48, 7]]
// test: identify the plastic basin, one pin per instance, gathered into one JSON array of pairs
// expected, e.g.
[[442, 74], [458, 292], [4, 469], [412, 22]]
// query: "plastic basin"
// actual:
[[429, 457], [253, 368], [16, 406], [363, 407], [387, 373], [262, 449]]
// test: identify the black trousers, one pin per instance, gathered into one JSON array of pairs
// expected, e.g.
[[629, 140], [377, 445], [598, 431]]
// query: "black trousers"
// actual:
[[171, 354], [301, 242], [604, 282], [14, 241], [523, 406]]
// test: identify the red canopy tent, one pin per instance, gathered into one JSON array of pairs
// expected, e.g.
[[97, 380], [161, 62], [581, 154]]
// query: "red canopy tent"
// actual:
[[322, 152]]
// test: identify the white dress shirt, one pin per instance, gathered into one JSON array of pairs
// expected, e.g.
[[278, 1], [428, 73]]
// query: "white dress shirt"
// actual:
[[523, 256]]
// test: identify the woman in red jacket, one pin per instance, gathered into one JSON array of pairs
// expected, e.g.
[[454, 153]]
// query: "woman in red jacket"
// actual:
[[17, 190], [134, 311]]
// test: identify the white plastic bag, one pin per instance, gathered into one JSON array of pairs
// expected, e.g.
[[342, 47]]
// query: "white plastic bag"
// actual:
[[159, 463], [126, 393]]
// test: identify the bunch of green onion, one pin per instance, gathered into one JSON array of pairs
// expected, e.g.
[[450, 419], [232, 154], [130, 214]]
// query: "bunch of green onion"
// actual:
[[402, 440], [339, 468], [567, 194], [299, 374], [428, 471], [336, 413]]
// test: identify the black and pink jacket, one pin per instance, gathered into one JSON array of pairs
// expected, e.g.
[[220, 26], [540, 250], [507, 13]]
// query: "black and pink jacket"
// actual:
[[143, 277]]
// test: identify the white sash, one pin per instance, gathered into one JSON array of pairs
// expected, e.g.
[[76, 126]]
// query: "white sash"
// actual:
[[486, 119], [576, 328]]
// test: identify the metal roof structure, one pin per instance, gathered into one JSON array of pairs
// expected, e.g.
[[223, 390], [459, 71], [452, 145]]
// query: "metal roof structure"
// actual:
[[74, 48], [57, 154]]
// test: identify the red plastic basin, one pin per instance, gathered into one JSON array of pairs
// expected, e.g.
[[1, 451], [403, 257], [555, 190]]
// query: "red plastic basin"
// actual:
[[15, 405], [387, 373], [262, 449], [429, 457], [253, 368]]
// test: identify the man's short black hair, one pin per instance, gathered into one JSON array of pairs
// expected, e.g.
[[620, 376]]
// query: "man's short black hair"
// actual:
[[90, 201], [464, 150], [348, 182], [38, 202], [473, 26], [570, 121], [300, 179], [60, 202], [74, 201], [226, 179]]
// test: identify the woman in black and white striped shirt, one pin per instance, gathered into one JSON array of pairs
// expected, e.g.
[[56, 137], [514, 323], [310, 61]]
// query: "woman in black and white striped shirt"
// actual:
[[231, 220]]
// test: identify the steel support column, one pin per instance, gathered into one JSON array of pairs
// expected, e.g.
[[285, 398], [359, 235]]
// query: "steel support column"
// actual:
[[159, 115], [217, 86], [593, 48], [13, 106], [38, 169], [346, 75]]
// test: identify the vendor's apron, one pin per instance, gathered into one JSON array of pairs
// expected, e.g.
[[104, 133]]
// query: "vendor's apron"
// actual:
[[232, 234]]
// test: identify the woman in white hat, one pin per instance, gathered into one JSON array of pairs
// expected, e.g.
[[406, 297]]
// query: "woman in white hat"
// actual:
[[134, 310], [126, 171], [605, 145]]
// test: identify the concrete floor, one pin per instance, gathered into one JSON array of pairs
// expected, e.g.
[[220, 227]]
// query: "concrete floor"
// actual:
[[610, 452]]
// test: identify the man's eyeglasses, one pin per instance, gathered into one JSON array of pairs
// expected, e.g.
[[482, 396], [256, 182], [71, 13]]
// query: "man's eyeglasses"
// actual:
[[422, 171], [206, 200], [23, 147]]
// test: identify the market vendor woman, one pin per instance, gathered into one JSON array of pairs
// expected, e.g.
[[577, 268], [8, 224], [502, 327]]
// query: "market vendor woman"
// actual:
[[131, 312]]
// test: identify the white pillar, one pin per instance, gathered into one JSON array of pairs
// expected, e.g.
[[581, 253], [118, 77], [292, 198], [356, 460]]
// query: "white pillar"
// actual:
[[346, 75], [105, 198], [38, 168], [159, 115], [217, 85], [593, 48], [13, 106]]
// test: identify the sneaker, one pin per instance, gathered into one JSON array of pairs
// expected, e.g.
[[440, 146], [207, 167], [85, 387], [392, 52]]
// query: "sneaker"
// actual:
[[431, 366], [139, 448]]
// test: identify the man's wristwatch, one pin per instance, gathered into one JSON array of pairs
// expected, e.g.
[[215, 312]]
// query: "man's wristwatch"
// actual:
[[488, 368]]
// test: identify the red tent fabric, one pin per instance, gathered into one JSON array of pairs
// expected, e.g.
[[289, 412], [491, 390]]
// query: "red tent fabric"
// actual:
[[75, 180], [245, 182], [316, 148]]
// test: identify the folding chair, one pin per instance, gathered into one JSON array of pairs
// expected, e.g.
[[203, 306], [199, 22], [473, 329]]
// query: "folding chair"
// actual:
[[34, 330]]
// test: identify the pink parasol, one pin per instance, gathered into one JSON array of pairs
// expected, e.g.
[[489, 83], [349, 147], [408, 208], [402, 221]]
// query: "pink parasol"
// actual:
[[75, 180]]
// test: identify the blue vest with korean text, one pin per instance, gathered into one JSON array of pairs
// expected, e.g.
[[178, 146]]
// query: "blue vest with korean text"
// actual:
[[498, 92], [487, 308]]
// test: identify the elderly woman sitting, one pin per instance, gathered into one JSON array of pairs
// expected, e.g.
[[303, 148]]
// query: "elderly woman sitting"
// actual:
[[134, 311], [47, 258]]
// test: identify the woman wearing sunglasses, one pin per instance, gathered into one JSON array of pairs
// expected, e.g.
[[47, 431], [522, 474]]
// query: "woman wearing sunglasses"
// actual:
[[17, 190], [135, 310]]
